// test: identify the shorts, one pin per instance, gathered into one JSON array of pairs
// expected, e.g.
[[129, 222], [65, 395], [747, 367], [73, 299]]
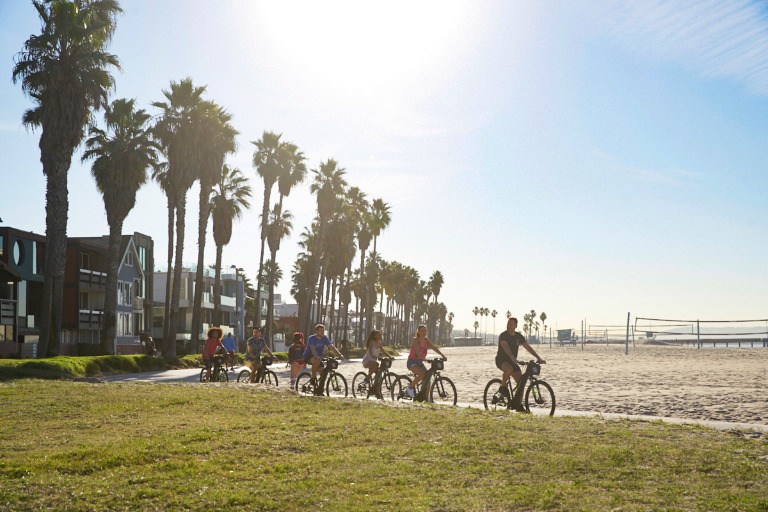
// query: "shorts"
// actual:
[[415, 362], [208, 363], [501, 360], [300, 362], [253, 364]]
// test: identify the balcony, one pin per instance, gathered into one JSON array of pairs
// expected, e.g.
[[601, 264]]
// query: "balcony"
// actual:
[[90, 319], [92, 280], [138, 303]]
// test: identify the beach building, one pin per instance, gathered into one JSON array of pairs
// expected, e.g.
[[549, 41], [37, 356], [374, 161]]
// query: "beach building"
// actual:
[[22, 256], [233, 318], [85, 279], [22, 260]]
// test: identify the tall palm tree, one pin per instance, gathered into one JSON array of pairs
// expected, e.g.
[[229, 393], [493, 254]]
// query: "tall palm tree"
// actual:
[[293, 173], [178, 129], [217, 139], [162, 177], [436, 282], [485, 330], [121, 156], [543, 317], [279, 226], [380, 217], [230, 197], [328, 183], [493, 315], [65, 71], [269, 162]]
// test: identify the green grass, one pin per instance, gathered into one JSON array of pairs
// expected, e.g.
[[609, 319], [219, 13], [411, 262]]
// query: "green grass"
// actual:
[[79, 446]]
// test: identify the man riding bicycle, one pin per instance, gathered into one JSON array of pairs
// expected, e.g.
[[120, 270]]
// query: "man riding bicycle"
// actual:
[[316, 344], [506, 361], [253, 348]]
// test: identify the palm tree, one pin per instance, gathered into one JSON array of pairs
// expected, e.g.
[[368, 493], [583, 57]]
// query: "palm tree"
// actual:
[[543, 317], [230, 197], [493, 315], [217, 139], [121, 156], [436, 282], [380, 217], [294, 172], [485, 330], [162, 177], [179, 132], [328, 183], [272, 277], [65, 70], [279, 226], [268, 160], [509, 314]]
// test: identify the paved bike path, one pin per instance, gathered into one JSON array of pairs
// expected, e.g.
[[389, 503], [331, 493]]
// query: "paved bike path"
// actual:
[[193, 375]]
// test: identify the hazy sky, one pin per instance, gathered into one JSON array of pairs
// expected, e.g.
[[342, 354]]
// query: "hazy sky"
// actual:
[[587, 159]]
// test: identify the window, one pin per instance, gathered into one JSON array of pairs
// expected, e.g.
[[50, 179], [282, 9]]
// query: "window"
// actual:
[[129, 258], [124, 296], [143, 257], [84, 305], [124, 327], [85, 261], [18, 253], [1, 245]]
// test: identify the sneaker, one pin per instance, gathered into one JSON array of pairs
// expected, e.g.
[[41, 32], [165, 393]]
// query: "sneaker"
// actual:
[[504, 391], [518, 407], [409, 391]]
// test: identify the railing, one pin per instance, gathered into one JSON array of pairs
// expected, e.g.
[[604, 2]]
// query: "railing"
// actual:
[[90, 319], [92, 279], [7, 311]]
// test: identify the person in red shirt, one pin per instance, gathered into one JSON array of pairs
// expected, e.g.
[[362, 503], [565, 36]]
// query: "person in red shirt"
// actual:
[[210, 347]]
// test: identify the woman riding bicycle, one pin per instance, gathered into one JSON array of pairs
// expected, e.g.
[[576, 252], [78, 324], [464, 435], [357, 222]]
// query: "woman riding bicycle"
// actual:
[[506, 360], [373, 351], [415, 363]]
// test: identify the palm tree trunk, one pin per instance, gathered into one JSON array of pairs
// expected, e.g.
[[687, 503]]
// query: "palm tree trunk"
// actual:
[[57, 211], [181, 210], [217, 288], [168, 270], [108, 326], [202, 225], [259, 279]]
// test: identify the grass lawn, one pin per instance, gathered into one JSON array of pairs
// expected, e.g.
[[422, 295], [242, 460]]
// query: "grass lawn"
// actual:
[[79, 446]]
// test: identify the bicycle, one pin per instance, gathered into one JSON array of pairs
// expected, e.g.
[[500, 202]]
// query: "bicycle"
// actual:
[[332, 382], [434, 388], [263, 374], [383, 380], [218, 372], [538, 395]]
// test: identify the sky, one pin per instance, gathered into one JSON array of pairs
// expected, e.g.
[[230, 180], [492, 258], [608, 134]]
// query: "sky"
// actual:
[[587, 159]]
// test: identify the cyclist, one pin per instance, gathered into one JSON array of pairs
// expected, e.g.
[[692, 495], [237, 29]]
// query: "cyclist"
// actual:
[[230, 345], [506, 361], [373, 351], [253, 348], [415, 363], [211, 346], [296, 356], [316, 346]]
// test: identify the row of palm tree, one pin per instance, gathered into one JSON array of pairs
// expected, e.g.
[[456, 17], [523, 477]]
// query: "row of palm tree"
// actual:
[[66, 72]]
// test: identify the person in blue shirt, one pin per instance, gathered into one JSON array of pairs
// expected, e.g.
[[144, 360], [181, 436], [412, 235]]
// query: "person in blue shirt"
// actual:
[[230, 345], [316, 347], [253, 349]]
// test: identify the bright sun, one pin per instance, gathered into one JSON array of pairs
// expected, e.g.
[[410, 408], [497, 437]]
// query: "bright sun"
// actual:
[[361, 42]]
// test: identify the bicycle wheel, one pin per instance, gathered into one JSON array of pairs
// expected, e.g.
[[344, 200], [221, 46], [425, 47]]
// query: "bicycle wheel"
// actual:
[[270, 378], [443, 391], [202, 375], [336, 385], [244, 377], [388, 381], [361, 385], [539, 396], [304, 385], [398, 393], [222, 375], [492, 399]]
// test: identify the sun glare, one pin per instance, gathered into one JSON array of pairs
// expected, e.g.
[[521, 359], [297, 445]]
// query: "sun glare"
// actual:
[[358, 43]]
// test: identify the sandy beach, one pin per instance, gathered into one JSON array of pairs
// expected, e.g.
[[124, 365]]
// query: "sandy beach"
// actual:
[[711, 384]]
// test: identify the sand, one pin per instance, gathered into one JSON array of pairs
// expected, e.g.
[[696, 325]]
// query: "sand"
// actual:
[[709, 384]]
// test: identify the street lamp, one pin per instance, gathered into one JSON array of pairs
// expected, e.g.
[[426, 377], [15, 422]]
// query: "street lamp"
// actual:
[[238, 330]]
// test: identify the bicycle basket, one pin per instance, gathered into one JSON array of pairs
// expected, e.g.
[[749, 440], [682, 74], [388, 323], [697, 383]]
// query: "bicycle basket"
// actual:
[[266, 361], [386, 363], [219, 360], [534, 368], [437, 364], [333, 364]]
